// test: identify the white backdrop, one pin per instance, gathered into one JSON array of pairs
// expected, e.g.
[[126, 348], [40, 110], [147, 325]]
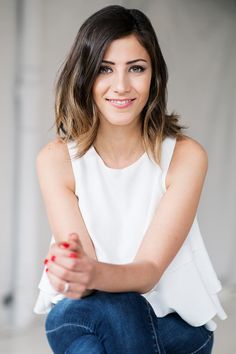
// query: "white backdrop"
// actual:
[[198, 42]]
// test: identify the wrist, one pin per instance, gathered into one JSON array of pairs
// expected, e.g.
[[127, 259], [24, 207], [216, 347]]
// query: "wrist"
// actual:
[[93, 276]]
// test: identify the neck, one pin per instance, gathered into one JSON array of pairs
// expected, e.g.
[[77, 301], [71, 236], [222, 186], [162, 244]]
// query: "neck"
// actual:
[[120, 147]]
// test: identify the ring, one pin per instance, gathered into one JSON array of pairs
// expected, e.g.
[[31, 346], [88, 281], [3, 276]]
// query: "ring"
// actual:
[[66, 287]]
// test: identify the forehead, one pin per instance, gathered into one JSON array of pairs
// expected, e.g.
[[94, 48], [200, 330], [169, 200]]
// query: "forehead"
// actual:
[[125, 49]]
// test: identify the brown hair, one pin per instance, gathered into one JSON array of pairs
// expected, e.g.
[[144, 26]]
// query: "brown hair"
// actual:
[[76, 114]]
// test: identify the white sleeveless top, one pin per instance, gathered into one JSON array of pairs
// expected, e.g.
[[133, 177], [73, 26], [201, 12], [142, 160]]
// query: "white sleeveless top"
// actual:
[[117, 206]]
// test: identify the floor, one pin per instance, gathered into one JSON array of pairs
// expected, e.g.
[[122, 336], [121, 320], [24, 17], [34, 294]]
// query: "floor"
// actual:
[[33, 341]]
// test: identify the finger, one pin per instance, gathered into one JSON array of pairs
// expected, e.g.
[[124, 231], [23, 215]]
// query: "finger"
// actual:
[[65, 249], [72, 244], [58, 250], [72, 271], [46, 259], [69, 245], [73, 263], [68, 269], [75, 290], [75, 294], [59, 270], [77, 287], [57, 283], [63, 257], [74, 237]]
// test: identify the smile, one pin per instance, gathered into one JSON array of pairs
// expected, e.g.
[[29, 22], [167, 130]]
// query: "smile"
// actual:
[[121, 103]]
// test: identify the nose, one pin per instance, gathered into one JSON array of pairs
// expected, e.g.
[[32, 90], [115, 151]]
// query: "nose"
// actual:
[[121, 83]]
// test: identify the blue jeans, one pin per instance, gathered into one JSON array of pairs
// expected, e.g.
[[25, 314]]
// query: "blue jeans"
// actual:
[[121, 323]]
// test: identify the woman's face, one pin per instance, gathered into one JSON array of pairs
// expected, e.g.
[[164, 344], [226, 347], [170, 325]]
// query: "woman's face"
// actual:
[[122, 86]]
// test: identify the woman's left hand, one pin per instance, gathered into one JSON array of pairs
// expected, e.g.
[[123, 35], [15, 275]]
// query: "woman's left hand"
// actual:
[[70, 270]]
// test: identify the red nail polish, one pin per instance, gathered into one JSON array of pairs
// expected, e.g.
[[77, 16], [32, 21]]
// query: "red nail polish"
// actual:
[[73, 255], [45, 261], [65, 244], [46, 270], [53, 258]]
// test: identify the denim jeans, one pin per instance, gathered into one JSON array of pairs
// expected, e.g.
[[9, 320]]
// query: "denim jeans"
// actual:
[[121, 323]]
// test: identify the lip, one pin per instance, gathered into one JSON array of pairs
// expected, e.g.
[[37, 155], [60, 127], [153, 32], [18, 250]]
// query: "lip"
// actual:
[[115, 102]]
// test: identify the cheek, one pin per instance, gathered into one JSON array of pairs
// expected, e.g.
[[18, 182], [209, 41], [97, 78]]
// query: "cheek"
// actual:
[[99, 88], [144, 88], [142, 84]]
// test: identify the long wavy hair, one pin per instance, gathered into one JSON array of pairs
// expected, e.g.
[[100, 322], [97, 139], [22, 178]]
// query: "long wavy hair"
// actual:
[[77, 116]]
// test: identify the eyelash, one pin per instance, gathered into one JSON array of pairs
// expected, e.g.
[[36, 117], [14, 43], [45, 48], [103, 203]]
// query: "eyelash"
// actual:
[[103, 69]]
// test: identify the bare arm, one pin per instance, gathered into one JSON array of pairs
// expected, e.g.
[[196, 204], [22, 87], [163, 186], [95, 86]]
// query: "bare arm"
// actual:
[[57, 186]]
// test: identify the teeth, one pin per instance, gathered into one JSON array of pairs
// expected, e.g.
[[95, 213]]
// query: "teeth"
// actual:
[[120, 102]]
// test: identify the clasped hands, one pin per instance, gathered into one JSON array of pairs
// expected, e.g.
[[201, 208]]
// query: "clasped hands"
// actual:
[[70, 270]]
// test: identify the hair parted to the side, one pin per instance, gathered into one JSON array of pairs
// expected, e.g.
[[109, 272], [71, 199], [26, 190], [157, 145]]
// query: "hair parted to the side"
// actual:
[[76, 114]]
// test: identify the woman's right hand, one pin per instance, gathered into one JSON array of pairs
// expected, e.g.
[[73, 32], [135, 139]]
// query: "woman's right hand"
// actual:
[[60, 267]]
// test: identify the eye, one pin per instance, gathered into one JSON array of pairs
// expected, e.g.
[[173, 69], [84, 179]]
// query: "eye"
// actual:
[[137, 68], [104, 69]]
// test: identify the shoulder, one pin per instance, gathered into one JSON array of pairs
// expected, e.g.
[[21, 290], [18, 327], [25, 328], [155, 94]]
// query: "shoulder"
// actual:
[[54, 150], [189, 159], [187, 147], [53, 162]]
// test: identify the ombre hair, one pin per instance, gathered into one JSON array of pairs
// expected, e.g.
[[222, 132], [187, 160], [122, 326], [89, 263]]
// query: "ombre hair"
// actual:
[[77, 116]]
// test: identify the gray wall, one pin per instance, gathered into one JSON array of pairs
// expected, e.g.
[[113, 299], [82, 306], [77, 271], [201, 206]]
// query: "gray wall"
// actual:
[[7, 43], [197, 38]]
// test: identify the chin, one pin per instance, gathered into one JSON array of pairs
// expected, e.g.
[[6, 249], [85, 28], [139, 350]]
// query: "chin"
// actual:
[[121, 121]]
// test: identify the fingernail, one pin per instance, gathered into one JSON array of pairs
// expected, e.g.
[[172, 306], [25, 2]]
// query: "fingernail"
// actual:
[[73, 255], [46, 270], [45, 261], [53, 258], [65, 245]]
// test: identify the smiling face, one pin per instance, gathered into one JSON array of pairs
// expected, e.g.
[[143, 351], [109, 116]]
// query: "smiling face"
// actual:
[[121, 89]]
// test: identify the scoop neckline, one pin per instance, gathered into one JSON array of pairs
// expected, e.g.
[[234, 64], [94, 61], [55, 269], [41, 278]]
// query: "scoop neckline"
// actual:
[[133, 164]]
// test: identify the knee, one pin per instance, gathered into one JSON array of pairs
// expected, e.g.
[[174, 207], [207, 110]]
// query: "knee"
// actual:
[[70, 311], [55, 317], [68, 320], [94, 309]]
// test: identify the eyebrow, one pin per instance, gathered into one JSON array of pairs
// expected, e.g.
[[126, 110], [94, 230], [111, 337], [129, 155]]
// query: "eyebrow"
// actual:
[[128, 62]]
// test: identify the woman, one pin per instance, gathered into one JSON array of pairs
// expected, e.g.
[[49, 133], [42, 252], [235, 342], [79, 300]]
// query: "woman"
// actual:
[[127, 271]]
